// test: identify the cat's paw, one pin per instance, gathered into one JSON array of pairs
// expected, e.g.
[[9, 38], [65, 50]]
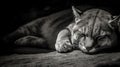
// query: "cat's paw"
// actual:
[[63, 46]]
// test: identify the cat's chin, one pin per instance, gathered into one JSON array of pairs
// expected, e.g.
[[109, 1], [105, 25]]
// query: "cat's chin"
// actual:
[[92, 51]]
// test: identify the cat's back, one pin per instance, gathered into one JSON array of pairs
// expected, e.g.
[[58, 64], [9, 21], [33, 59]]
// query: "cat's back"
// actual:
[[55, 23]]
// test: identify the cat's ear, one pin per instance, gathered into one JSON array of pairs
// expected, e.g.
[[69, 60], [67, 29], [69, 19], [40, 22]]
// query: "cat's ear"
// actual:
[[77, 14], [115, 22]]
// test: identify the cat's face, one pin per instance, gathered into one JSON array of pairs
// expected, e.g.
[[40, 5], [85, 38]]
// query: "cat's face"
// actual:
[[92, 31]]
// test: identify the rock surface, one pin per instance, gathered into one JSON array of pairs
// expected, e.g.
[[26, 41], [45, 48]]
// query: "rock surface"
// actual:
[[55, 59]]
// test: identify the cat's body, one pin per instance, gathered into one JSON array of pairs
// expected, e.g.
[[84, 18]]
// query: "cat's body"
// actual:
[[46, 28], [90, 32]]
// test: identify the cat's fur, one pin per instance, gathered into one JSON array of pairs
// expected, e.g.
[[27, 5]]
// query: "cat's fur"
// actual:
[[90, 32]]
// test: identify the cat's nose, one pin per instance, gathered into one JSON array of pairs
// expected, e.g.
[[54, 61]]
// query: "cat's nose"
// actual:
[[89, 43]]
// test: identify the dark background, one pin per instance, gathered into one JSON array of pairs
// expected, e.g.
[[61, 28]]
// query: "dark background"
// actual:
[[17, 13]]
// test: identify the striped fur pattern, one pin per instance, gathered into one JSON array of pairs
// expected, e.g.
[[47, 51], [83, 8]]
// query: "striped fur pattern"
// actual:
[[90, 32]]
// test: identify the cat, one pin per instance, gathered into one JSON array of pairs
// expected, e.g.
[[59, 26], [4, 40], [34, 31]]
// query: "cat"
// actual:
[[90, 31]]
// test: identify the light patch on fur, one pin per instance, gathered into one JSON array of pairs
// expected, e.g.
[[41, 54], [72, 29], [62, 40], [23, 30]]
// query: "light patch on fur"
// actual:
[[77, 20]]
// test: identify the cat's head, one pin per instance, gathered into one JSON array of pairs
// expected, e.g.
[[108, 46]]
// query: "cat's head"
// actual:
[[93, 31]]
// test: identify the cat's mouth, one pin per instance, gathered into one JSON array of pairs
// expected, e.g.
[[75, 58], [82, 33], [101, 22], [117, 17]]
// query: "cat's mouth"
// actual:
[[88, 51], [93, 50]]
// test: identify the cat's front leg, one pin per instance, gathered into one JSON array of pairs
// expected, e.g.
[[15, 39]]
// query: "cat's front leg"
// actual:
[[63, 43], [31, 41]]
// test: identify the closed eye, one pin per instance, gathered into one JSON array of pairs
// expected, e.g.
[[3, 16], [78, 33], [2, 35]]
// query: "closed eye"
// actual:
[[82, 35], [101, 37]]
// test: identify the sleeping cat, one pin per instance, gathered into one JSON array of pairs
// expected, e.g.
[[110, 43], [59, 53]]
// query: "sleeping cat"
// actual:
[[90, 31]]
